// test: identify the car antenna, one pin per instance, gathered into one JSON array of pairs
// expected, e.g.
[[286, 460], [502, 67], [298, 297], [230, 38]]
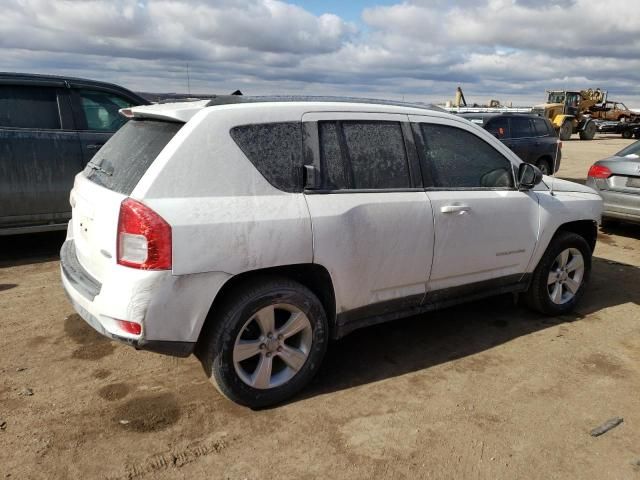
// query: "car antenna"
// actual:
[[555, 162]]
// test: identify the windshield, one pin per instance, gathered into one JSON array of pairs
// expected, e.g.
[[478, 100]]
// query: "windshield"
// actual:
[[556, 97], [122, 161], [633, 149]]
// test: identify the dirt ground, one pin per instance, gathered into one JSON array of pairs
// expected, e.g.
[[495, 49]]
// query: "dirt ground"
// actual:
[[487, 390]]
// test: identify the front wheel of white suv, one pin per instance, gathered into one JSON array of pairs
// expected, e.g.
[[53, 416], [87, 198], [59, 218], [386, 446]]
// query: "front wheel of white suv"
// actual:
[[266, 343], [560, 278]]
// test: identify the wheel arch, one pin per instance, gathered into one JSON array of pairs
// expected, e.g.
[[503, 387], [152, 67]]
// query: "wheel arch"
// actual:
[[312, 275], [587, 229], [547, 158]]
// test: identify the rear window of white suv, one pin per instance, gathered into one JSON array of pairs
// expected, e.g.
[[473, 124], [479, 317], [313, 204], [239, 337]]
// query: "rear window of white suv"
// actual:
[[122, 161]]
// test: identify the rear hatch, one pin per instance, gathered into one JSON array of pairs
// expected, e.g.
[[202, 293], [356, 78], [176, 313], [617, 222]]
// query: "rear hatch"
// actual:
[[109, 178]]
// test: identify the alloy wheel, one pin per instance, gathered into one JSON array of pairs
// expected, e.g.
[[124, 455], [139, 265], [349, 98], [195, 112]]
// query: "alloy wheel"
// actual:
[[566, 276], [272, 346]]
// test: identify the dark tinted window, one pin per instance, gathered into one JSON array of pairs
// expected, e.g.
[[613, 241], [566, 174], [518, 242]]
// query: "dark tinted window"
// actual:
[[498, 127], [275, 149], [376, 154], [459, 159], [121, 162], [29, 107], [101, 110], [331, 156], [541, 127], [520, 127]]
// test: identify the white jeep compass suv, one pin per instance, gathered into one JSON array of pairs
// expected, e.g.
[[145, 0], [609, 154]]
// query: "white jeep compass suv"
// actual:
[[252, 230]]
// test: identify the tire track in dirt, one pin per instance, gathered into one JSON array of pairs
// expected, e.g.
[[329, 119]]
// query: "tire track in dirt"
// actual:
[[172, 459]]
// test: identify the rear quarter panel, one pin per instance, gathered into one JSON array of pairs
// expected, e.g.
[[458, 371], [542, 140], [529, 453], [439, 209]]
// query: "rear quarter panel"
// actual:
[[225, 216]]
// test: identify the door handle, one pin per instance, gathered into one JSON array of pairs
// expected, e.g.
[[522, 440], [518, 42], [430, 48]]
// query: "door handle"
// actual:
[[95, 146], [455, 208]]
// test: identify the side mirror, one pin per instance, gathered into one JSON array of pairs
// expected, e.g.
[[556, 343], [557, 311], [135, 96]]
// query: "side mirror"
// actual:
[[528, 176]]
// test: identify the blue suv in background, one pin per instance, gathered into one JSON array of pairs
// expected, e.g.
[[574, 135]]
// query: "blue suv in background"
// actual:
[[529, 136]]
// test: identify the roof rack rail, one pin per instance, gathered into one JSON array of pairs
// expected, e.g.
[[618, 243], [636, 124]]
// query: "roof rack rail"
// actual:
[[233, 99]]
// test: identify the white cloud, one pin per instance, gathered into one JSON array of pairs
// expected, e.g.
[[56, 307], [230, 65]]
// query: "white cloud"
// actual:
[[420, 49]]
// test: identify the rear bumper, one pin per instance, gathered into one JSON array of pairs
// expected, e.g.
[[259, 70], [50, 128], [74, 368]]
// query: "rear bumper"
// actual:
[[170, 308], [622, 206], [73, 288]]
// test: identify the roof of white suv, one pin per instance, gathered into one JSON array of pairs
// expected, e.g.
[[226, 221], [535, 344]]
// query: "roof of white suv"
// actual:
[[184, 111]]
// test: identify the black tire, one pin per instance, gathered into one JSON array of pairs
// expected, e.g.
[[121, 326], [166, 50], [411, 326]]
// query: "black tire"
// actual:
[[588, 132], [637, 134], [566, 130], [627, 134], [544, 165], [538, 297], [215, 349]]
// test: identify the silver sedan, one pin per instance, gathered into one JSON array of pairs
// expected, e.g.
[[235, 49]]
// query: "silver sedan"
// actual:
[[617, 180]]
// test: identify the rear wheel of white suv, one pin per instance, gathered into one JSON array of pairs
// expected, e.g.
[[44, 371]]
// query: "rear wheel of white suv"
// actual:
[[266, 342], [560, 278]]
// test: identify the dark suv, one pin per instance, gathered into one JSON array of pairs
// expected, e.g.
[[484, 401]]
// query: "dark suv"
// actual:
[[531, 137], [50, 127]]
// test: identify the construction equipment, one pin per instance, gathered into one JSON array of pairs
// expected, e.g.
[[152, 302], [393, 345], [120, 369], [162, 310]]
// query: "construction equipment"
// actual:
[[569, 111], [460, 100]]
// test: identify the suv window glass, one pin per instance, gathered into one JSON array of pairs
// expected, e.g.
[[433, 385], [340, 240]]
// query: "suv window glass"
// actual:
[[541, 127], [376, 154], [275, 149], [520, 127], [498, 127], [122, 161], [101, 110], [459, 159], [29, 107], [331, 156]]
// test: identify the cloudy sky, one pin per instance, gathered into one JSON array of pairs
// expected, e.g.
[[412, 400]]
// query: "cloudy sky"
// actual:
[[510, 50]]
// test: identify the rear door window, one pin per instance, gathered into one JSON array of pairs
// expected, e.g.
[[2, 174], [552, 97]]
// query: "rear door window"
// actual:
[[101, 110], [541, 127], [376, 154], [331, 159], [29, 107], [520, 127], [122, 161]]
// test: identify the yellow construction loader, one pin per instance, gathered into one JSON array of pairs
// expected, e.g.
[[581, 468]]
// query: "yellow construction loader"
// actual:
[[568, 111]]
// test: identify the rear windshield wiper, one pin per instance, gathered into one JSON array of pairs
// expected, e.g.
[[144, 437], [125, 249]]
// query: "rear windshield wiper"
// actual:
[[95, 166]]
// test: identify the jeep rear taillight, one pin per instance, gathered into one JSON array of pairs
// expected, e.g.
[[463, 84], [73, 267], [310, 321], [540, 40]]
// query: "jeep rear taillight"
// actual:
[[599, 171], [144, 237]]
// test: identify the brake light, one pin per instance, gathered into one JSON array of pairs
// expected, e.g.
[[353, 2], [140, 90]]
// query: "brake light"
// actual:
[[144, 237], [599, 171], [130, 327]]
